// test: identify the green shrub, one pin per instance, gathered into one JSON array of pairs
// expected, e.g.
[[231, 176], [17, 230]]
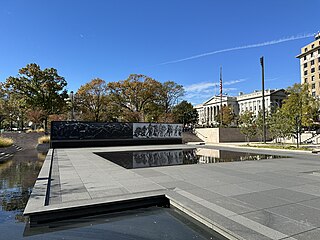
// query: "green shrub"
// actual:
[[5, 142]]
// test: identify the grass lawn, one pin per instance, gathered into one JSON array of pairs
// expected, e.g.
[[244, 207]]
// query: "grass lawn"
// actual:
[[279, 146]]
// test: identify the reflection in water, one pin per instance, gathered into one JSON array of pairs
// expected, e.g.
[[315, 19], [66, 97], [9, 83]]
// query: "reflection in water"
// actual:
[[42, 156], [158, 223], [143, 159], [17, 177], [216, 156]]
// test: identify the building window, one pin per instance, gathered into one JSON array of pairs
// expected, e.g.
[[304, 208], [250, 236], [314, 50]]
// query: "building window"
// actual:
[[313, 94], [312, 78], [305, 80], [312, 62], [305, 58], [312, 46], [305, 65], [319, 50], [312, 70], [306, 72], [311, 54], [313, 85], [306, 49]]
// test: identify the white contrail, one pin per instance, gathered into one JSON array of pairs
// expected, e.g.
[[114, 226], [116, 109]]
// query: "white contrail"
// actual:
[[286, 39]]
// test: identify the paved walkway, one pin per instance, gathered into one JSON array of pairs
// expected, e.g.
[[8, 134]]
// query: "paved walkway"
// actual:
[[268, 199]]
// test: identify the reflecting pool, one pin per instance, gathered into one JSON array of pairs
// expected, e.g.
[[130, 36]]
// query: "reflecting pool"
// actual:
[[17, 177], [158, 158]]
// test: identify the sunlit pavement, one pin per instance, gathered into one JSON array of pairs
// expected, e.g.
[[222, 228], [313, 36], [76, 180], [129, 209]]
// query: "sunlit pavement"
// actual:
[[267, 199]]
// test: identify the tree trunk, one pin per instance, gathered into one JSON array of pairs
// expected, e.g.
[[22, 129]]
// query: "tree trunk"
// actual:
[[46, 125], [141, 117]]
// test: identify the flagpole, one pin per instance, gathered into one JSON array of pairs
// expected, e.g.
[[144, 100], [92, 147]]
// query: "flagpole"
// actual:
[[221, 113]]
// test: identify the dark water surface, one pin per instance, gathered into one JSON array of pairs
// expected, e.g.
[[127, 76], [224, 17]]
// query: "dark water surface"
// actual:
[[158, 158], [17, 177]]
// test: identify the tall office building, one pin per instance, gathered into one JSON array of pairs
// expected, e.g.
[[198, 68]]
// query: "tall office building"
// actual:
[[310, 65]]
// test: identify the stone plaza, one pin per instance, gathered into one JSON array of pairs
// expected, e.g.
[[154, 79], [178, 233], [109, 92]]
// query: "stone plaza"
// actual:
[[266, 199]]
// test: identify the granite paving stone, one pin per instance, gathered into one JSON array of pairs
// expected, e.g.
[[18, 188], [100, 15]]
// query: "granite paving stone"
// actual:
[[281, 182], [179, 184], [74, 196], [256, 186], [143, 187], [315, 203], [229, 190], [260, 201], [232, 218], [162, 179], [282, 224], [288, 195], [266, 199], [108, 192], [312, 189], [234, 205], [204, 193], [307, 235], [149, 173], [306, 215]]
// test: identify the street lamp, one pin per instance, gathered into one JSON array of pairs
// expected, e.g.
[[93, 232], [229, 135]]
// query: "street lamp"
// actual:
[[263, 107], [72, 106]]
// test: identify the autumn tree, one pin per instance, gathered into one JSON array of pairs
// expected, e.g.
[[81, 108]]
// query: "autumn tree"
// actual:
[[185, 113], [133, 96], [13, 108], [228, 116], [43, 89], [2, 107], [301, 104], [278, 126], [92, 101], [169, 95], [260, 123], [247, 125], [35, 116], [300, 109]]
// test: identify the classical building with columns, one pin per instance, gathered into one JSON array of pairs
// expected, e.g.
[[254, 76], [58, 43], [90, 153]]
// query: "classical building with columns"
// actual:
[[244, 102], [208, 110]]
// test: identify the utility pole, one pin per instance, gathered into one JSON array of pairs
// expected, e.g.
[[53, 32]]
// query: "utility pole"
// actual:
[[263, 106], [72, 106], [221, 113]]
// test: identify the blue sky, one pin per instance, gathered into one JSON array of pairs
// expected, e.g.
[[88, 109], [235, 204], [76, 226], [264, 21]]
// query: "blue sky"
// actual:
[[111, 39]]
